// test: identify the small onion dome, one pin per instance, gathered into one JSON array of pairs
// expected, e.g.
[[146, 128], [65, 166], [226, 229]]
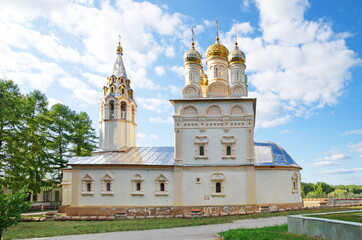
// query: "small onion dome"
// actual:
[[119, 49], [192, 56], [217, 50], [236, 55], [203, 78]]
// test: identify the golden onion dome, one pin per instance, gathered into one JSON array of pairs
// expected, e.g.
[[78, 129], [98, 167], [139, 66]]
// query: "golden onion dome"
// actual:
[[236, 55], [217, 50], [192, 56], [203, 78], [119, 48]]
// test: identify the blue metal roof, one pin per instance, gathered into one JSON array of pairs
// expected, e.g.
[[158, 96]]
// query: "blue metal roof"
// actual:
[[266, 154]]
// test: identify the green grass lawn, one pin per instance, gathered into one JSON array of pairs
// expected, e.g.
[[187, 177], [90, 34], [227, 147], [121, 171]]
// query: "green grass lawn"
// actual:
[[350, 217], [266, 233], [56, 228]]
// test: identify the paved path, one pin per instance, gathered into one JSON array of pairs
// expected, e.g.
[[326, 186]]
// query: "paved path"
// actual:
[[205, 232]]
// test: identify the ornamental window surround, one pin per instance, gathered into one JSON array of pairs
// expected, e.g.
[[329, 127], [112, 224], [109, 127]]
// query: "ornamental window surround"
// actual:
[[107, 183], [137, 185], [295, 183], [217, 185], [201, 143], [161, 185], [87, 185], [228, 147]]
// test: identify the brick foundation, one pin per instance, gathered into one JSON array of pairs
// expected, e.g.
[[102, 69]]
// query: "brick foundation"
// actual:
[[205, 211]]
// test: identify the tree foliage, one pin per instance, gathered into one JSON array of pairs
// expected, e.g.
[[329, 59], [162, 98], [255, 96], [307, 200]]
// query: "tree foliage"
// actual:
[[321, 189], [11, 207], [35, 142]]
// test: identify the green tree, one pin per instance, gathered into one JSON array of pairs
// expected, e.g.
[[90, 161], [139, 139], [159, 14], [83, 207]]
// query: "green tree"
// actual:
[[28, 162], [60, 133], [11, 109], [11, 207], [83, 137]]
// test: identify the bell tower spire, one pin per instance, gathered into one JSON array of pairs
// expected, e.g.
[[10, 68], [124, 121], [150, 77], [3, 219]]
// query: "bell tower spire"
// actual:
[[118, 109]]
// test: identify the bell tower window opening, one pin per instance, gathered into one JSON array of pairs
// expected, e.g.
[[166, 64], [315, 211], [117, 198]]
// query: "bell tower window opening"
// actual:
[[111, 109], [123, 110], [122, 90]]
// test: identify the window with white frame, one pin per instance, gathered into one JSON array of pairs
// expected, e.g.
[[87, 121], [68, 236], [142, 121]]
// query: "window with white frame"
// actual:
[[228, 147], [87, 185], [295, 183], [201, 147], [107, 185], [137, 185], [217, 185], [161, 185]]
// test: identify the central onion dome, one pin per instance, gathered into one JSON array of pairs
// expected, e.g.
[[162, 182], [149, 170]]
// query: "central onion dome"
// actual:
[[236, 55], [192, 56], [203, 79], [217, 50]]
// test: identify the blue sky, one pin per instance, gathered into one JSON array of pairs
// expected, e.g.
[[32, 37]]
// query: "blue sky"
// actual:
[[303, 62]]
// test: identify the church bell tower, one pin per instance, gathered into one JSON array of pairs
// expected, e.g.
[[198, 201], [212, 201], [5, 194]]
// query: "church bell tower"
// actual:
[[117, 110]]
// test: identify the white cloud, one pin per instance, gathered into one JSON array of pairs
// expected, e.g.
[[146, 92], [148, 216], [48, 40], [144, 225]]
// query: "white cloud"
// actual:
[[97, 80], [80, 90], [160, 70], [356, 148], [352, 132], [154, 136], [324, 164], [334, 157], [53, 101], [160, 120], [170, 52], [343, 171], [286, 131], [154, 104], [179, 70], [141, 136], [174, 89], [290, 65]]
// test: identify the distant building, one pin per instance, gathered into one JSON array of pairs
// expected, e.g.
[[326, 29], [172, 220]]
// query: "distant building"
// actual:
[[214, 166]]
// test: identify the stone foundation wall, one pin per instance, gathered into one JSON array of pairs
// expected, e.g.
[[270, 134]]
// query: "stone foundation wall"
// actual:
[[317, 202], [204, 211]]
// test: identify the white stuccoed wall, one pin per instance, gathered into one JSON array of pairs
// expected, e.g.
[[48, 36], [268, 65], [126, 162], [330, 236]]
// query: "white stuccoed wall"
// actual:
[[275, 186]]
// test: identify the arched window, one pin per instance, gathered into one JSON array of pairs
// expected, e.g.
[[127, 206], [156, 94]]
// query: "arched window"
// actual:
[[111, 109], [237, 77], [87, 185], [122, 90], [218, 187], [216, 72], [133, 114], [162, 187], [123, 110], [201, 151], [138, 186], [228, 151], [107, 184], [218, 182]]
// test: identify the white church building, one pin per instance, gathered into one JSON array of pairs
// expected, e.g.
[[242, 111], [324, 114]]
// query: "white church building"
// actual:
[[214, 167]]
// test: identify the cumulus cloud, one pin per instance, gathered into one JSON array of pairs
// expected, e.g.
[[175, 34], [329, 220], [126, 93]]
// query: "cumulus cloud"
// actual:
[[343, 171], [80, 90], [160, 70], [352, 132], [160, 120], [356, 148], [154, 104], [334, 157], [296, 65]]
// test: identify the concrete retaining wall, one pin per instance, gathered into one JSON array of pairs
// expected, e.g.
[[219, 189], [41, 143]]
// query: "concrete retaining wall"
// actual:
[[325, 228]]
